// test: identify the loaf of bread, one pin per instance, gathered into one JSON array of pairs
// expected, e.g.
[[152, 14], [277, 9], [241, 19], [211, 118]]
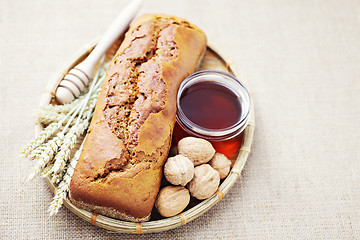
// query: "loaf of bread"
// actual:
[[120, 168]]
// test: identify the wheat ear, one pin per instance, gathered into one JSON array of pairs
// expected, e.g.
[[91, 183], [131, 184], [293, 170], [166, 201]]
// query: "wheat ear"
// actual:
[[64, 155], [48, 132], [47, 169], [48, 117], [50, 149], [63, 188], [43, 136], [66, 108]]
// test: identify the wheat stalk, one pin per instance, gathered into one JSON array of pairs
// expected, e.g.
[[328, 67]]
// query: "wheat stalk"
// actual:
[[71, 109], [63, 156], [52, 148], [88, 111], [63, 188], [48, 117], [36, 153], [49, 131], [70, 139], [43, 136], [47, 169], [45, 152], [65, 108]]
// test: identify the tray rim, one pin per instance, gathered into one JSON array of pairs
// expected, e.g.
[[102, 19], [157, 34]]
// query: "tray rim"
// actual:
[[184, 217]]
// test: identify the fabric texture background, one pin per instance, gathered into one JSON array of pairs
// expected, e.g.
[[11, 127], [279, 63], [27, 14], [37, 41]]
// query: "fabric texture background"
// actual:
[[301, 60]]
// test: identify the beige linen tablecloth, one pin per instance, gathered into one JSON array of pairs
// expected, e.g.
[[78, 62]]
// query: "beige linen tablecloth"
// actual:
[[302, 62]]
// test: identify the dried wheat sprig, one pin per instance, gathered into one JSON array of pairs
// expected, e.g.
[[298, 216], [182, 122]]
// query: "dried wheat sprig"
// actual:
[[50, 149], [80, 108], [38, 150], [48, 117], [47, 169], [53, 146], [36, 153], [96, 82], [70, 139], [64, 154], [89, 109], [65, 108], [60, 195], [43, 136], [63, 188], [80, 127], [49, 131]]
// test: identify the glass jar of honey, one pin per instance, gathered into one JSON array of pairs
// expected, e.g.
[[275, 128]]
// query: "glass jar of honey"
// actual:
[[215, 106]]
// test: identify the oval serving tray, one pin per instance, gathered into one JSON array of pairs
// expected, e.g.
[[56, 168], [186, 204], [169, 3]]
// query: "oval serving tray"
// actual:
[[212, 60]]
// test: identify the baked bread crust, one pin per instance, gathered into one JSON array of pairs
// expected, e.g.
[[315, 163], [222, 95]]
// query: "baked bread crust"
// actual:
[[119, 170]]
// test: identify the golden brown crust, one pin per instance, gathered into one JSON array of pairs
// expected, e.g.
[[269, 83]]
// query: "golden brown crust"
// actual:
[[120, 168]]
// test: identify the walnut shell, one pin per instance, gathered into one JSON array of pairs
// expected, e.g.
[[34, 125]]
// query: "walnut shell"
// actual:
[[205, 182], [198, 150], [172, 200], [179, 170], [221, 164]]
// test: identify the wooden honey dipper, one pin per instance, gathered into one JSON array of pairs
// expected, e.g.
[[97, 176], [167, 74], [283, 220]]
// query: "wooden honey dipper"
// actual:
[[78, 77]]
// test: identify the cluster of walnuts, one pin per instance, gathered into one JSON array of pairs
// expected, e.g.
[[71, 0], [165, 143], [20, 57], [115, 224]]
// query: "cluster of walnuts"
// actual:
[[196, 166]]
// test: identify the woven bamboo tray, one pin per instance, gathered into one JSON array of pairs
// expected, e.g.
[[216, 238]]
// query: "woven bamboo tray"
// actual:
[[213, 60]]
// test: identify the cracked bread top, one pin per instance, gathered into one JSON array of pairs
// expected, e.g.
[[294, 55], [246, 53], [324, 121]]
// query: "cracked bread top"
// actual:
[[119, 170]]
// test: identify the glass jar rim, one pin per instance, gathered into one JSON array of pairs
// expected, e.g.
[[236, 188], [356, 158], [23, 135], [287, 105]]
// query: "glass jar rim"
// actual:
[[234, 85]]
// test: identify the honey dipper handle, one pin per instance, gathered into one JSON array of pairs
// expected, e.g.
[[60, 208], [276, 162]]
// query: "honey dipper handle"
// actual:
[[78, 77], [118, 26]]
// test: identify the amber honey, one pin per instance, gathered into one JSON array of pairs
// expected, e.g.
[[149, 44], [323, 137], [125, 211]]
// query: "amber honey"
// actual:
[[215, 106], [211, 105]]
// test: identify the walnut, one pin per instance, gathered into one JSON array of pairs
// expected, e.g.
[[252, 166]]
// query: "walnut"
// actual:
[[205, 182], [221, 164], [179, 170], [172, 200], [198, 150]]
